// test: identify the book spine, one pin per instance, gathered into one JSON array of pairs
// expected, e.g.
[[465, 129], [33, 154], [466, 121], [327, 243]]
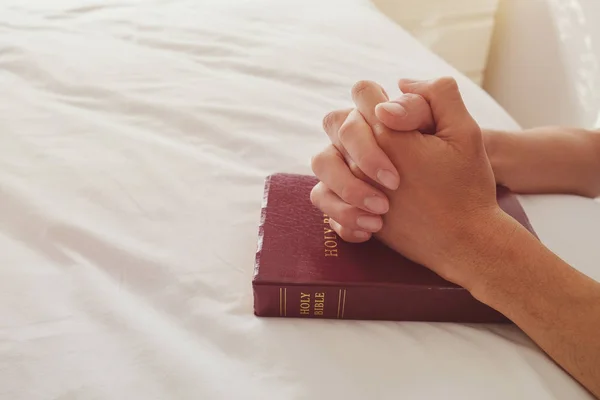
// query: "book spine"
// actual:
[[372, 303]]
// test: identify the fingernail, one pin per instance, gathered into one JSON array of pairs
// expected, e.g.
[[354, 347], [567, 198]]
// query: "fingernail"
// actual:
[[388, 179], [361, 235], [334, 224], [394, 108], [371, 224], [376, 204]]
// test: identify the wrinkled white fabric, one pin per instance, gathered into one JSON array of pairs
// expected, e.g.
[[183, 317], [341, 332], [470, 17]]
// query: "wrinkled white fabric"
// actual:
[[134, 140]]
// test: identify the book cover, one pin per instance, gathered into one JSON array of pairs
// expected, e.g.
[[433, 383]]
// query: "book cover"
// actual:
[[304, 270]]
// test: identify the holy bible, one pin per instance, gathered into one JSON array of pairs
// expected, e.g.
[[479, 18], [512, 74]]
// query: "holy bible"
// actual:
[[303, 269]]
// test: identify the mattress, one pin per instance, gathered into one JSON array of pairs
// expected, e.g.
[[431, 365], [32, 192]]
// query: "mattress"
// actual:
[[134, 140]]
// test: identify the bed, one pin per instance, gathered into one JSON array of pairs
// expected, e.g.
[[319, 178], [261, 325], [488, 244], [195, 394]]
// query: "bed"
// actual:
[[135, 137], [553, 84]]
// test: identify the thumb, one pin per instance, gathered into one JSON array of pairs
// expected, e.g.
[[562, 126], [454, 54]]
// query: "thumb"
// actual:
[[409, 112], [450, 114]]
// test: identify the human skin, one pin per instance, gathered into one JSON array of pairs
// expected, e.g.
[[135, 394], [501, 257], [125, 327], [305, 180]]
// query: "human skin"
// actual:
[[538, 160], [443, 214]]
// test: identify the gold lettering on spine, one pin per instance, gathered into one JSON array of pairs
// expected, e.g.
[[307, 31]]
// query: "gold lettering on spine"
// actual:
[[304, 303], [329, 239], [319, 304]]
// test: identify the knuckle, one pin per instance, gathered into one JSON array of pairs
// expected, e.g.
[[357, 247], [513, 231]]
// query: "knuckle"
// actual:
[[346, 193], [378, 128], [356, 171], [445, 83], [346, 131], [347, 216], [475, 137], [317, 161], [328, 121], [352, 193], [360, 87], [413, 100]]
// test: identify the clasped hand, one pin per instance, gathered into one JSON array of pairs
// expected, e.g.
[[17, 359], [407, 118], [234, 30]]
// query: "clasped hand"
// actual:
[[416, 174], [413, 172]]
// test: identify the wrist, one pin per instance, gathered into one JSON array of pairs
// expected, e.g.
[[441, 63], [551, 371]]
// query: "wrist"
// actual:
[[523, 279], [481, 247], [545, 160], [497, 146]]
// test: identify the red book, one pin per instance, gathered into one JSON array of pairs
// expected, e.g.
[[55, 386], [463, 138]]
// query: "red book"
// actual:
[[303, 269]]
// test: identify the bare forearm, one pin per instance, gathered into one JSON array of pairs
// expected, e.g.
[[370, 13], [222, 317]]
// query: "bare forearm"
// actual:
[[554, 304], [546, 160]]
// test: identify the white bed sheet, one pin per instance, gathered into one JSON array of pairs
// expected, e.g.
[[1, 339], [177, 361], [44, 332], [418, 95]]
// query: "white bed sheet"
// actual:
[[134, 140]]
